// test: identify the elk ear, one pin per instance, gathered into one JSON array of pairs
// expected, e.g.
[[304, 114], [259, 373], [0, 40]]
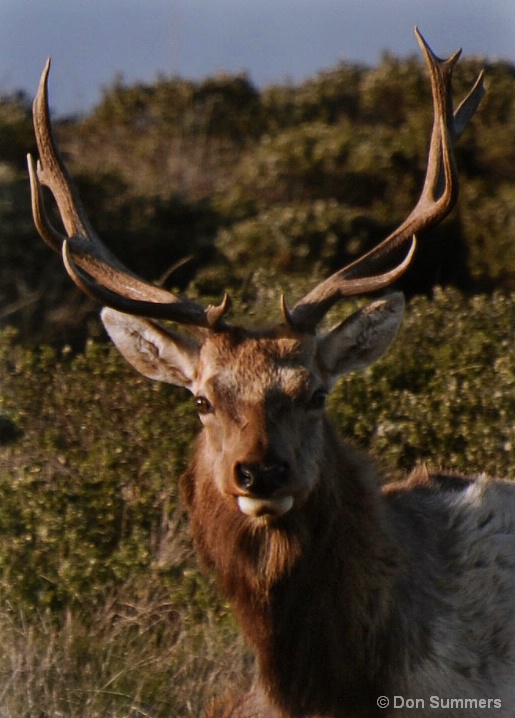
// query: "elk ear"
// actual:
[[362, 338], [155, 352]]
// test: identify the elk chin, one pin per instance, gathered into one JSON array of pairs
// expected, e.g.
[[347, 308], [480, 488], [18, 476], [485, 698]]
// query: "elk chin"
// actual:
[[258, 508]]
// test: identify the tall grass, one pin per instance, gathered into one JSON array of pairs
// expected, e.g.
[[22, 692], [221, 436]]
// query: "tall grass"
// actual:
[[118, 660]]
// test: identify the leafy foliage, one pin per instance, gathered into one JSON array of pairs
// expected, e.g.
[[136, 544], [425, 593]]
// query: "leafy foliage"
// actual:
[[74, 485], [445, 393], [17, 137]]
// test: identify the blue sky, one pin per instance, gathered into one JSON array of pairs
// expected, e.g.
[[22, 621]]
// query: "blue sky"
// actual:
[[91, 41]]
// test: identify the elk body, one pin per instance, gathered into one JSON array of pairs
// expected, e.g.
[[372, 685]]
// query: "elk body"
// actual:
[[347, 591]]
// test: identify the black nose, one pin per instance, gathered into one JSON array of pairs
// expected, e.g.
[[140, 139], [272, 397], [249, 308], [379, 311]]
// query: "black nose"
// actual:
[[262, 480]]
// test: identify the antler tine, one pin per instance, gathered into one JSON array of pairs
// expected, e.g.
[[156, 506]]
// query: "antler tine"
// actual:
[[89, 263], [438, 196]]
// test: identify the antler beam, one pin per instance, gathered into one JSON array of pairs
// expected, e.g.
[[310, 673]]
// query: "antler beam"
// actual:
[[438, 197], [88, 261]]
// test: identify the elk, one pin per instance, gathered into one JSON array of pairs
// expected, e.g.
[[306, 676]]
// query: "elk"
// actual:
[[359, 599]]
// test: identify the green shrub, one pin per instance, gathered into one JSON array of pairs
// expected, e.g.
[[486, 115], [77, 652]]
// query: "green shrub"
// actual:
[[87, 489], [445, 393]]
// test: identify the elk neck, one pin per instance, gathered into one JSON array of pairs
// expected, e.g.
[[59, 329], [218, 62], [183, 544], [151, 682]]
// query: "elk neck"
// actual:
[[306, 628]]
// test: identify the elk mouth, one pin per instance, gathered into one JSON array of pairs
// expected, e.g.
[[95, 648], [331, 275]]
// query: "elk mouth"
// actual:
[[259, 507]]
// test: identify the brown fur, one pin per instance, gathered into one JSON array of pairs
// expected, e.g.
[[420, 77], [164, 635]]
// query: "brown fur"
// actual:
[[315, 593]]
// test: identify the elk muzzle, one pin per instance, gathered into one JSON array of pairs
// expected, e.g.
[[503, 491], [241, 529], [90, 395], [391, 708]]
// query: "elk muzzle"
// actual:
[[264, 487]]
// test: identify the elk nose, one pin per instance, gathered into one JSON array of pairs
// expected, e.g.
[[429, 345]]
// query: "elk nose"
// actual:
[[262, 480]]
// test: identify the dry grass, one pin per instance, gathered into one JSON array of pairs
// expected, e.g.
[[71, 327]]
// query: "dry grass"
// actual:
[[123, 660]]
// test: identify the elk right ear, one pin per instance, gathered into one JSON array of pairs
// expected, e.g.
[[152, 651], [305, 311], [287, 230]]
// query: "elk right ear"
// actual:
[[155, 352], [362, 338]]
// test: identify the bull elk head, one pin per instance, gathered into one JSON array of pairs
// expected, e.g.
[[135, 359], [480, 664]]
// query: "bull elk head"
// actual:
[[258, 392]]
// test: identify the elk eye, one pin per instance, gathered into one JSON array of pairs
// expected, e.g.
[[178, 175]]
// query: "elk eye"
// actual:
[[317, 400], [203, 405]]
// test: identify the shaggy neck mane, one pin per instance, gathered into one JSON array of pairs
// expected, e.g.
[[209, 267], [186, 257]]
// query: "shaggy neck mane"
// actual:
[[315, 638]]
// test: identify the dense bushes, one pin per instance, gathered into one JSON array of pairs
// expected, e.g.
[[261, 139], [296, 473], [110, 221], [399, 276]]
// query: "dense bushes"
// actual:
[[87, 487], [445, 394]]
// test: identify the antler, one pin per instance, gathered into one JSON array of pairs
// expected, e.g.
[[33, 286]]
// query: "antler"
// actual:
[[88, 261], [439, 195]]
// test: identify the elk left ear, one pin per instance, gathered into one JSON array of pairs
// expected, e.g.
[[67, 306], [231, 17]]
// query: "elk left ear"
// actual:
[[362, 338], [157, 353]]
